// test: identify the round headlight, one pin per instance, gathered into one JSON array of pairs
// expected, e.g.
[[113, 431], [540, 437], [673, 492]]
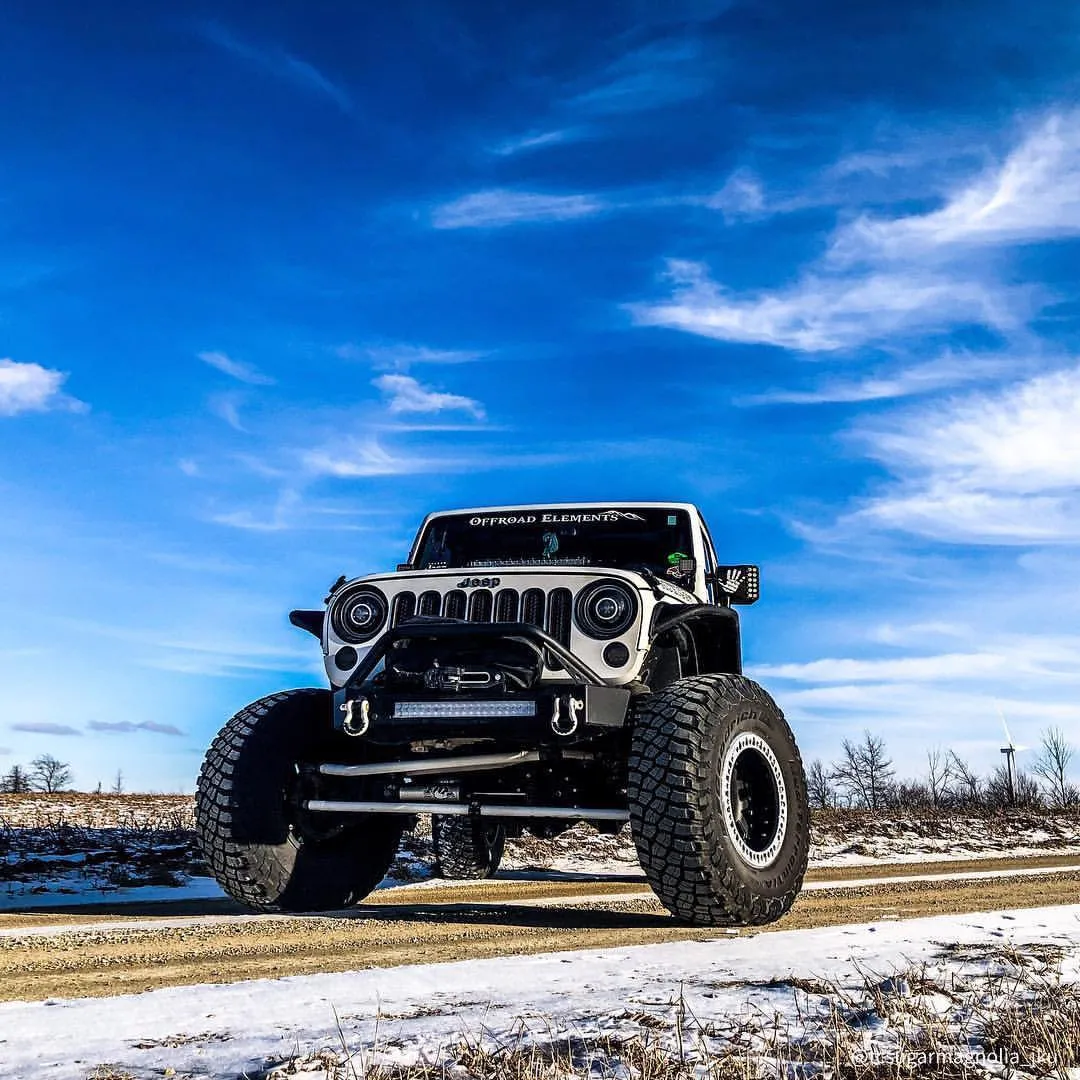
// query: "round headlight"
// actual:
[[606, 609], [359, 614]]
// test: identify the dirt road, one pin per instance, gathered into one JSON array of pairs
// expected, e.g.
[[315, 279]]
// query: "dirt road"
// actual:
[[138, 947]]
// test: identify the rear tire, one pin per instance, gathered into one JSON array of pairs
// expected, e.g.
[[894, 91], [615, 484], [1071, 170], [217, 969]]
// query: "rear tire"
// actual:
[[465, 848], [718, 806], [263, 850]]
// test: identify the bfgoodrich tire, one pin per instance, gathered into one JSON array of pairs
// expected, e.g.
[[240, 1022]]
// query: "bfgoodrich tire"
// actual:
[[465, 848], [264, 851], [718, 806]]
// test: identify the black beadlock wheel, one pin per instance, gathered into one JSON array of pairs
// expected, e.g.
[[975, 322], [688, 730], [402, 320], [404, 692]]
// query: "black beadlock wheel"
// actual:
[[263, 850], [466, 848], [718, 806]]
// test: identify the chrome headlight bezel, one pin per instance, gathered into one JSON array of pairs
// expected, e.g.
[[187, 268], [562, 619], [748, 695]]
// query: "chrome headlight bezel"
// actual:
[[358, 614], [606, 609]]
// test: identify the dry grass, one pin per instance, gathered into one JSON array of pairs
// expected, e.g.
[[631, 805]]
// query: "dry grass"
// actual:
[[981, 1013]]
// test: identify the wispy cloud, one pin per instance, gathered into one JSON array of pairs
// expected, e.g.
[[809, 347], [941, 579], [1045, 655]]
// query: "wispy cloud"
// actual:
[[277, 62], [883, 277], [499, 207], [236, 369], [824, 314], [401, 356], [357, 458], [1033, 195], [1000, 467], [406, 395], [129, 726], [227, 407], [659, 74], [948, 371], [45, 727], [536, 140], [27, 388]]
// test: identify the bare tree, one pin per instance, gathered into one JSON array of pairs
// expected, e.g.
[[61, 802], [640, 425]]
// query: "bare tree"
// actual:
[[911, 795], [939, 777], [818, 787], [50, 774], [118, 784], [1024, 792], [865, 772], [15, 781], [1052, 766], [967, 784]]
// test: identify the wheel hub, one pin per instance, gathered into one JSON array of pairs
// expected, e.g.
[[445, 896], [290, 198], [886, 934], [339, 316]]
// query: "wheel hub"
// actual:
[[754, 800]]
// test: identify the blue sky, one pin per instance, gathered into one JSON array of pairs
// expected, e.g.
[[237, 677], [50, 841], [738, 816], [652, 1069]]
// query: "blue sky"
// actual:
[[274, 283]]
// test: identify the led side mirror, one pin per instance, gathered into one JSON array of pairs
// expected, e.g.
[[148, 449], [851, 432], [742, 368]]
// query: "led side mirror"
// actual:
[[738, 584]]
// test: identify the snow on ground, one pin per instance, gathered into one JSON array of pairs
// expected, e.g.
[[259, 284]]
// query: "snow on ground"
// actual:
[[75, 849], [875, 981]]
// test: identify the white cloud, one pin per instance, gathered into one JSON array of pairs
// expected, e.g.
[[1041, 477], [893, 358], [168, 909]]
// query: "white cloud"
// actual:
[[367, 457], [499, 207], [887, 278], [1033, 195], [278, 63], [535, 140], [741, 196], [825, 314], [947, 371], [28, 388], [996, 467], [227, 407], [943, 667], [406, 395], [401, 357], [188, 467], [236, 369], [656, 75]]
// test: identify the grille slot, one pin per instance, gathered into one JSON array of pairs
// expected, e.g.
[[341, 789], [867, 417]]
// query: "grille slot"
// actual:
[[430, 603], [454, 605], [506, 605], [532, 607], [480, 606], [560, 604], [404, 607]]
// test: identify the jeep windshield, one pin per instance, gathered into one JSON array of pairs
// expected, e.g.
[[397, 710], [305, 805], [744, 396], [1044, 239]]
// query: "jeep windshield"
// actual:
[[624, 539]]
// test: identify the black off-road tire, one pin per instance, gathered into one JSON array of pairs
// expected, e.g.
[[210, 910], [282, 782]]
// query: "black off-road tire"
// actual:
[[263, 850], [465, 848], [718, 806]]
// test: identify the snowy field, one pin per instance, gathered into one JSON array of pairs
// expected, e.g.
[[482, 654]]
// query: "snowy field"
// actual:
[[77, 849], [974, 995]]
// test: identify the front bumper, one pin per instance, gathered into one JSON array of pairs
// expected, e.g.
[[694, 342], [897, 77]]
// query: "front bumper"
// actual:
[[569, 709]]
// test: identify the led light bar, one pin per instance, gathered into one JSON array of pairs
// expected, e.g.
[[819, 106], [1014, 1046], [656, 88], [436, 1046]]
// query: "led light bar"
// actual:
[[433, 710]]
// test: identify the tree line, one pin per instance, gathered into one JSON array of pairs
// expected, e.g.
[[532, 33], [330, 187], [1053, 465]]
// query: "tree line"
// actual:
[[46, 773], [864, 778]]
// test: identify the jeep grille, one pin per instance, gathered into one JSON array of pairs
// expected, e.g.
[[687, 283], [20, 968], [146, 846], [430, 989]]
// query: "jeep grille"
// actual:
[[551, 611]]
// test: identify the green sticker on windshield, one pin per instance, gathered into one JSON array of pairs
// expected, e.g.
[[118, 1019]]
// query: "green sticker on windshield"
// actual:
[[675, 557], [672, 519]]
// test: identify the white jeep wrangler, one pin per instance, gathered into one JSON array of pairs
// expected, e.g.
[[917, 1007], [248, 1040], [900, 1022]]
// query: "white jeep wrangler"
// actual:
[[528, 667]]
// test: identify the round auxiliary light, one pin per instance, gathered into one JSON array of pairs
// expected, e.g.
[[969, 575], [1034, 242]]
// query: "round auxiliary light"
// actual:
[[359, 614], [606, 609], [616, 654], [345, 658]]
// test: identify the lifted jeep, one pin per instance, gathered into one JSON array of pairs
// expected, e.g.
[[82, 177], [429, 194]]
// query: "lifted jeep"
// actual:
[[528, 667]]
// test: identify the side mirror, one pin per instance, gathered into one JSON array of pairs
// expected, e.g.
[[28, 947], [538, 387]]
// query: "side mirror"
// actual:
[[739, 584]]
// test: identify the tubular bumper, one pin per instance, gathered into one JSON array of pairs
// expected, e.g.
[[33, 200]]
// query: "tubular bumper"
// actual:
[[552, 711]]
